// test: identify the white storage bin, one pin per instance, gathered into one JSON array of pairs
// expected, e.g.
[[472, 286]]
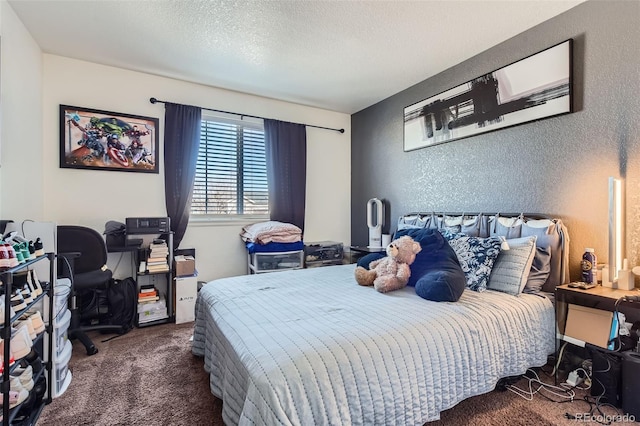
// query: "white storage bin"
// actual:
[[159, 305], [61, 297], [275, 261], [62, 366], [61, 332]]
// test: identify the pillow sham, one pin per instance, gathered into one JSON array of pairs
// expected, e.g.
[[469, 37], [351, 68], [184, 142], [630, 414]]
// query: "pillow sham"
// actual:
[[540, 269], [550, 238], [476, 257], [508, 227], [511, 268]]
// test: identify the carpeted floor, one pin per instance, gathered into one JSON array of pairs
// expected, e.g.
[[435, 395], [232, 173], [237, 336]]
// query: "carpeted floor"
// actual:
[[150, 377]]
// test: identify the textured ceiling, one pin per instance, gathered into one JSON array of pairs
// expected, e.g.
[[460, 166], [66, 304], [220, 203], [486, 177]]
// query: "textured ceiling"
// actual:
[[338, 55]]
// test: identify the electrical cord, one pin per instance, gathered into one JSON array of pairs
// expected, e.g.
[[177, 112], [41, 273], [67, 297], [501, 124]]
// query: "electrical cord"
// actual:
[[557, 364], [596, 405], [565, 394]]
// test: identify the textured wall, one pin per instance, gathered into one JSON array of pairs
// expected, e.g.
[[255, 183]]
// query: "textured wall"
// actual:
[[557, 166]]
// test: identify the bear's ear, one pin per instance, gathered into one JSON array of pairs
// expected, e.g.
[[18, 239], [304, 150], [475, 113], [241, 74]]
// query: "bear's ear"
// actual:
[[416, 248]]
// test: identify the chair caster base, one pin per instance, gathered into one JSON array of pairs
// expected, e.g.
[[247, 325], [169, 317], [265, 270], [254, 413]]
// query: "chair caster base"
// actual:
[[92, 350]]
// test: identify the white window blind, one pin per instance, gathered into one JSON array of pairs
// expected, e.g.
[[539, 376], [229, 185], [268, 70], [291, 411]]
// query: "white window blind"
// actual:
[[231, 172]]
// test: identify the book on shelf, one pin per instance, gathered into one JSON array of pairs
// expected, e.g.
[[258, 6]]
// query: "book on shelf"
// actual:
[[147, 293], [157, 259], [147, 288], [159, 250], [158, 268], [148, 299]]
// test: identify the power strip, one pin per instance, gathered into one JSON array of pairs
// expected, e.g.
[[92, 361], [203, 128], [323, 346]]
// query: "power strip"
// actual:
[[574, 379]]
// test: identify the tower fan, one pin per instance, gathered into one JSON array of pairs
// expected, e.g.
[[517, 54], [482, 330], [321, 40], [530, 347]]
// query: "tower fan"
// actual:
[[375, 219]]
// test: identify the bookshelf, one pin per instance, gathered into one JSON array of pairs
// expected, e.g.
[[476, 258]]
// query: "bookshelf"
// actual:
[[154, 263]]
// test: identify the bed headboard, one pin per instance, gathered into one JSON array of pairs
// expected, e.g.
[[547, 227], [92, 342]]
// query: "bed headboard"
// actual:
[[552, 235]]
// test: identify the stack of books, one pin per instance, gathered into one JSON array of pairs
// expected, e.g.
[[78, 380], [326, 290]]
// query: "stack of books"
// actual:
[[150, 306], [157, 260], [148, 294]]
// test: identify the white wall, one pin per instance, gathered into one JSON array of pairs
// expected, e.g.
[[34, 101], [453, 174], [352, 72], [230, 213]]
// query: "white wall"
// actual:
[[21, 158], [91, 198]]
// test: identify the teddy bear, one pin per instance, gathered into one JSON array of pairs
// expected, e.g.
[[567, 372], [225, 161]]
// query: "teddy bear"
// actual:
[[391, 272]]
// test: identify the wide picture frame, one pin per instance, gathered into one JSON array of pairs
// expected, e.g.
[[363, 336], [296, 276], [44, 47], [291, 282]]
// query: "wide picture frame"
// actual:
[[104, 140], [536, 87]]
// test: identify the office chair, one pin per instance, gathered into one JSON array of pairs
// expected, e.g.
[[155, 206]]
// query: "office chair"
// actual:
[[82, 257]]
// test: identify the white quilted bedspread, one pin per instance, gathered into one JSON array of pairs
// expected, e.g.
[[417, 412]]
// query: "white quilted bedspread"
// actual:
[[311, 347]]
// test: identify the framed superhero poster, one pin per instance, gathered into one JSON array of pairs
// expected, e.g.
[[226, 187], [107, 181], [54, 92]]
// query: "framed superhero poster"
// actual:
[[104, 140]]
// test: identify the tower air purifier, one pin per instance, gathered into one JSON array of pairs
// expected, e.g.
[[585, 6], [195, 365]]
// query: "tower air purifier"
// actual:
[[375, 219]]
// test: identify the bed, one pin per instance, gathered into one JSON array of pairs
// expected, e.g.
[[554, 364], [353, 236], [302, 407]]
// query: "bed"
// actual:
[[312, 347]]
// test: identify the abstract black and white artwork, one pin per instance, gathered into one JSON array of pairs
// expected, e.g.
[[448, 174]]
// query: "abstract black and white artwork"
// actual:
[[533, 88]]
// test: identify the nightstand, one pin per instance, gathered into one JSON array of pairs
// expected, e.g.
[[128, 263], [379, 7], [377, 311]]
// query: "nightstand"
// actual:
[[584, 318], [356, 252], [601, 298]]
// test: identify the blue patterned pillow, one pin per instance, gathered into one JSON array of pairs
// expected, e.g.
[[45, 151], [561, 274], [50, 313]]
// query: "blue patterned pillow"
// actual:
[[476, 256]]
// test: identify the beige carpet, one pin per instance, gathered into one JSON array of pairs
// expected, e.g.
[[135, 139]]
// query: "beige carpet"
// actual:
[[149, 377], [146, 377]]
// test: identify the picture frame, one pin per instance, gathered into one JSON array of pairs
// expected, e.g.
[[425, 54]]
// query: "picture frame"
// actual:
[[534, 88], [104, 140]]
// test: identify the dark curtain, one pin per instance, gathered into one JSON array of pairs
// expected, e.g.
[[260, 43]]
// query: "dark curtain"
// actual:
[[286, 151], [181, 143]]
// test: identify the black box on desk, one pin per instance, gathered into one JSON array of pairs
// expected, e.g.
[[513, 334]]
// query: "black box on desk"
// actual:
[[323, 253]]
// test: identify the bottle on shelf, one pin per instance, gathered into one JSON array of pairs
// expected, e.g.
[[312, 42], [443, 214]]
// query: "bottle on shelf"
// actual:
[[589, 264]]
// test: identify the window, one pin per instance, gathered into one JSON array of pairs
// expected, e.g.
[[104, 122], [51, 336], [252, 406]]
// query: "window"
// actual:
[[231, 172]]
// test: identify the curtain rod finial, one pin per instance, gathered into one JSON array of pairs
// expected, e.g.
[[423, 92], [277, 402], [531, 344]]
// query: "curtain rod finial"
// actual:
[[153, 100]]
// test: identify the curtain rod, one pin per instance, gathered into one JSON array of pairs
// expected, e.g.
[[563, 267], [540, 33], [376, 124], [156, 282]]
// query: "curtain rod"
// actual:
[[154, 101]]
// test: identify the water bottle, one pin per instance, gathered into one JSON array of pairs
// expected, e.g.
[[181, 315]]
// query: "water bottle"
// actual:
[[589, 263]]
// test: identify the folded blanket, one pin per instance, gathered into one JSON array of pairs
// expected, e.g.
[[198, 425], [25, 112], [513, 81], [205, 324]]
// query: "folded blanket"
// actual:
[[274, 247], [271, 231]]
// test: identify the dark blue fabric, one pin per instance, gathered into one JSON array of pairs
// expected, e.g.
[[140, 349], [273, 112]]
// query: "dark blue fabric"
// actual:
[[274, 247], [286, 151], [181, 143], [436, 273], [365, 260]]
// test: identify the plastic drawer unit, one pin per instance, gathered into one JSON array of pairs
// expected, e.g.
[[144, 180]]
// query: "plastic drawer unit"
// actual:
[[323, 253], [62, 367], [278, 261], [61, 332]]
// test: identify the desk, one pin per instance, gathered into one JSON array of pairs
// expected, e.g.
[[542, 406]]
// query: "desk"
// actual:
[[616, 381], [123, 249], [602, 299], [140, 252], [599, 297]]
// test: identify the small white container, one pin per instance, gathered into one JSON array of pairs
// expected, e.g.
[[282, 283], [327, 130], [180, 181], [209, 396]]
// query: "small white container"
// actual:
[[626, 280], [61, 297], [62, 367], [61, 332]]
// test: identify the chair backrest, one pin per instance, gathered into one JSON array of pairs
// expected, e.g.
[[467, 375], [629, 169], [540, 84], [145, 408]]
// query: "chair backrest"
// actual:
[[88, 242]]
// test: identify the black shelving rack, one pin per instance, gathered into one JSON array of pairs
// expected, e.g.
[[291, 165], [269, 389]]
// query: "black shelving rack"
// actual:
[[138, 253], [168, 236], [6, 276]]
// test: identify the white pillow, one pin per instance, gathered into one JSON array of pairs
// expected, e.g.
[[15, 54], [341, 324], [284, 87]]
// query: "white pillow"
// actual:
[[511, 269]]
